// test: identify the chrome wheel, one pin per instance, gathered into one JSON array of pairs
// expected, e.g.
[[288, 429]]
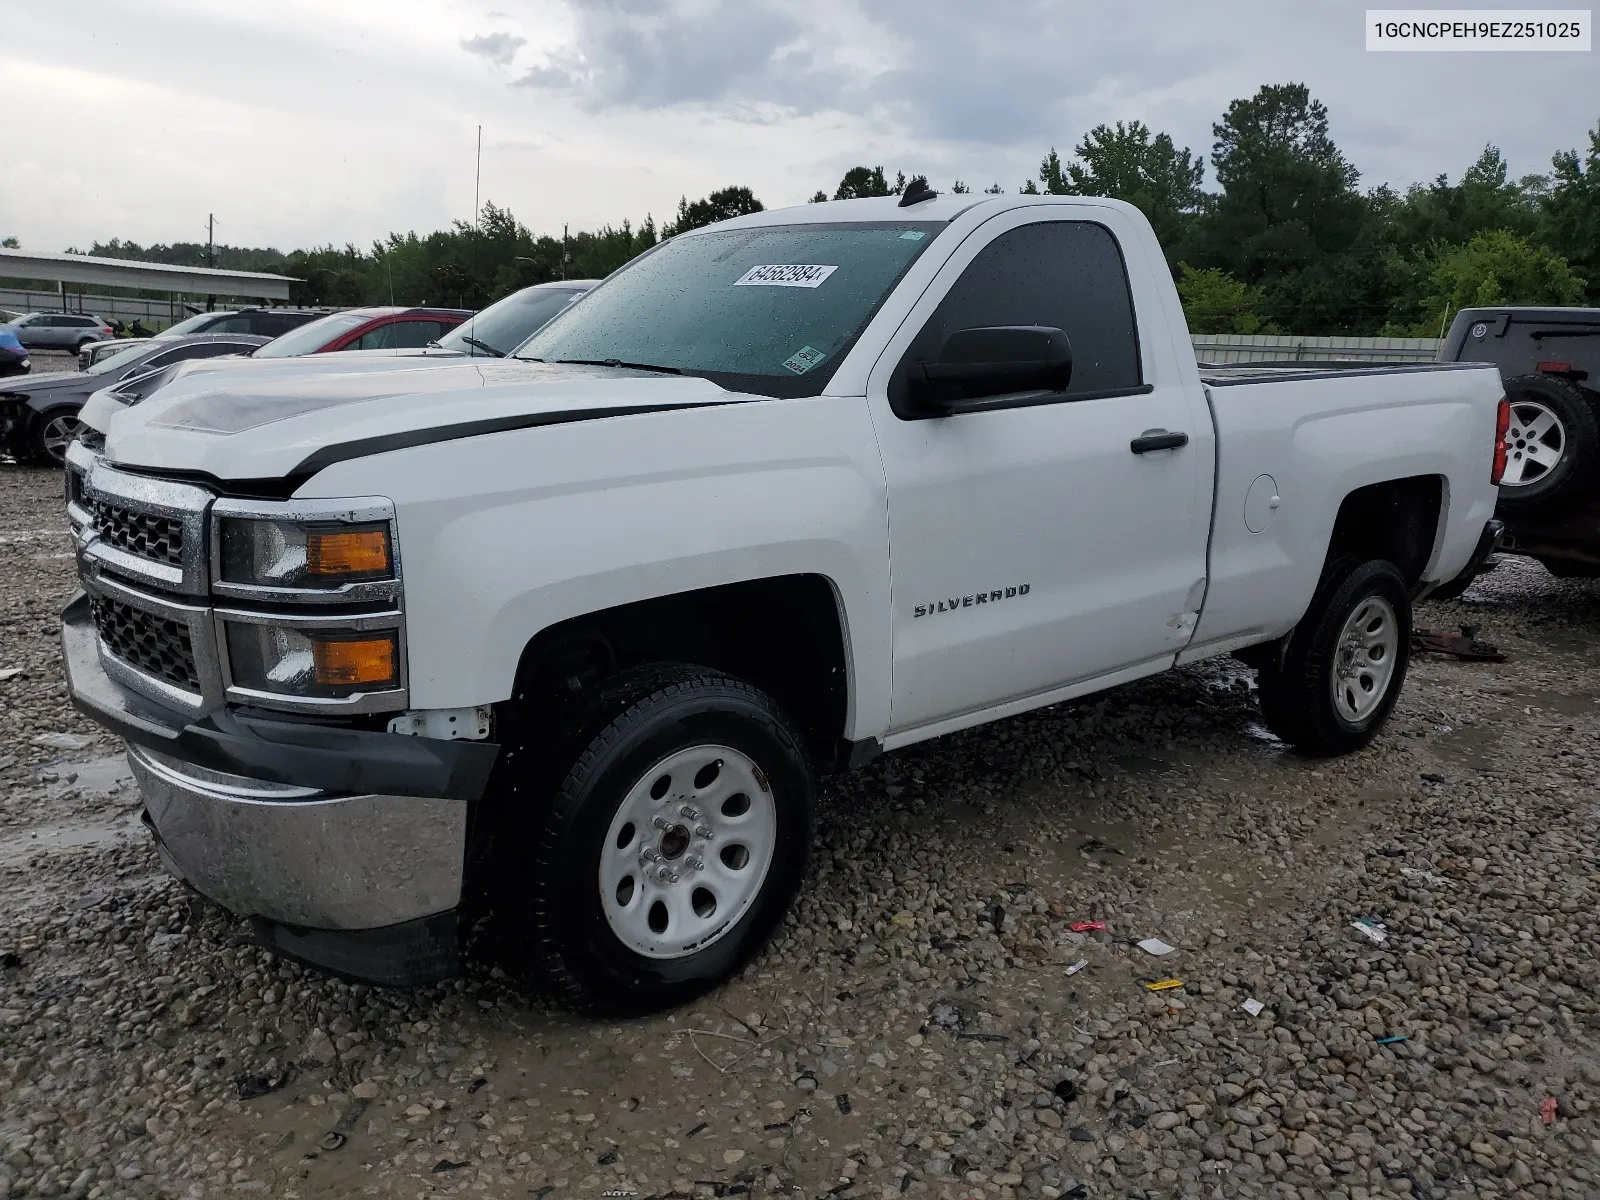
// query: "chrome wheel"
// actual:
[[1535, 441], [57, 434], [687, 851], [1364, 662]]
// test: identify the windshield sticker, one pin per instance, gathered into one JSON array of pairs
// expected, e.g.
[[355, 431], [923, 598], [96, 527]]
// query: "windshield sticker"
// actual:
[[799, 275], [803, 359], [913, 235]]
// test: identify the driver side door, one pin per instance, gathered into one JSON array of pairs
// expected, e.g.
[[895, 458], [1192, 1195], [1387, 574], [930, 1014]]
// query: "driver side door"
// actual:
[[1033, 547]]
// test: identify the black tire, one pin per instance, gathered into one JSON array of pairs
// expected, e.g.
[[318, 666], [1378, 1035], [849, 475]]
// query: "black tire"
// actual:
[[1528, 485], [1298, 698], [45, 444], [615, 741]]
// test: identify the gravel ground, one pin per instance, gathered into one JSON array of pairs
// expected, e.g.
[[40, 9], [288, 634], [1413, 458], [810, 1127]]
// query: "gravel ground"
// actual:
[[914, 1029]]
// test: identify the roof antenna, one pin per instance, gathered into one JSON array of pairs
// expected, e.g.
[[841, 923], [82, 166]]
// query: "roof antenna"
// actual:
[[917, 191]]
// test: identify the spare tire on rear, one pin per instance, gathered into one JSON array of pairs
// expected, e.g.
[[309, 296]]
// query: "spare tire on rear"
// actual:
[[1552, 446]]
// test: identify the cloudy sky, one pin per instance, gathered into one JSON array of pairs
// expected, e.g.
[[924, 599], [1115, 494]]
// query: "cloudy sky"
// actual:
[[304, 122]]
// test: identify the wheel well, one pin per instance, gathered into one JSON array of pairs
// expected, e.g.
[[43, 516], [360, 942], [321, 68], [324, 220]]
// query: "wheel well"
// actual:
[[1397, 520], [783, 635]]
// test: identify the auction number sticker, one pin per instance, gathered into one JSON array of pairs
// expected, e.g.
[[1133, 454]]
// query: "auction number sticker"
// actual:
[[803, 359], [801, 275]]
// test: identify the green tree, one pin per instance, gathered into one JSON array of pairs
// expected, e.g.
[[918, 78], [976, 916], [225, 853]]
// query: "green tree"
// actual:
[[1496, 268], [1125, 162], [1570, 212], [1216, 302], [1289, 220], [1484, 199], [819, 197], [859, 182], [960, 189], [1288, 195], [718, 206], [10, 243]]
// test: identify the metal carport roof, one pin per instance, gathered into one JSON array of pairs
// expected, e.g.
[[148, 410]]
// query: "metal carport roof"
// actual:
[[145, 276]]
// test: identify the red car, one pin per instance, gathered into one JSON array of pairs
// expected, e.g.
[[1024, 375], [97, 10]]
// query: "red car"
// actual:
[[366, 329]]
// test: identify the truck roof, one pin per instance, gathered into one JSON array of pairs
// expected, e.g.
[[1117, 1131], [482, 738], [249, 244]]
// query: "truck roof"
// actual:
[[945, 206]]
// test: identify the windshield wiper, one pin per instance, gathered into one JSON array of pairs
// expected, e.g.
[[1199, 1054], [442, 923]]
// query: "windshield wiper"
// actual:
[[611, 362], [485, 347]]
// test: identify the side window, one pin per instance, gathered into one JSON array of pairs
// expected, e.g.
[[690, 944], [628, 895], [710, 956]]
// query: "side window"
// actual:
[[1068, 275], [82, 322], [381, 338], [235, 324], [411, 334], [267, 325], [200, 350]]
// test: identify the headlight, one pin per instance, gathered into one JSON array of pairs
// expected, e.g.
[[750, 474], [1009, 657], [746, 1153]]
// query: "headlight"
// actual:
[[312, 663], [292, 554]]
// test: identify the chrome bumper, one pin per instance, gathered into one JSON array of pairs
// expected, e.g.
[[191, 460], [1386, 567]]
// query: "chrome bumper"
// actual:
[[299, 856]]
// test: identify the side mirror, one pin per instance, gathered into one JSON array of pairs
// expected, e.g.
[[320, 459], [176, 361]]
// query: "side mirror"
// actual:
[[975, 365]]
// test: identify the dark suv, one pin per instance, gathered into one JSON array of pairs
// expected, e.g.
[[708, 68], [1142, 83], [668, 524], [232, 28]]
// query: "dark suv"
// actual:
[[1550, 361]]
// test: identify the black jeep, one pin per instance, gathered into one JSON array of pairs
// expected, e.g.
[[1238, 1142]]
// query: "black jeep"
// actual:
[[1550, 361]]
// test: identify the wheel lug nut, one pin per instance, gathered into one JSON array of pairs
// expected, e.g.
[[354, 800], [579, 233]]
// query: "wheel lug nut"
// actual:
[[690, 813], [661, 823], [696, 862], [703, 831]]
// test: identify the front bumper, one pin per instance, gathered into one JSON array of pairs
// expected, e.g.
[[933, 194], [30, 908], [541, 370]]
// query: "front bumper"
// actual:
[[346, 847]]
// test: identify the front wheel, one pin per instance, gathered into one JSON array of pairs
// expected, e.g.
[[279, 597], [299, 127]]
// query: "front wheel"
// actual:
[[53, 432], [672, 847], [1345, 663]]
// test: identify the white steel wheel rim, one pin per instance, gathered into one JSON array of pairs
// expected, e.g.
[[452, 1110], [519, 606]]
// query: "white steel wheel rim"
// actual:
[[1535, 441], [1365, 658], [687, 852], [58, 434]]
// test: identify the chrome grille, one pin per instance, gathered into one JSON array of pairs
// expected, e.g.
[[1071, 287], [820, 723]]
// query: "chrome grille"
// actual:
[[155, 645], [145, 535]]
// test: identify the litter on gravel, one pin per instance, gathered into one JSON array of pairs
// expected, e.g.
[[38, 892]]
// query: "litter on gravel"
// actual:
[[1156, 947], [1370, 929]]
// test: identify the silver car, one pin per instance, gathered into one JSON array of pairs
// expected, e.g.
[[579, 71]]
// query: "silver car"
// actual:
[[59, 331]]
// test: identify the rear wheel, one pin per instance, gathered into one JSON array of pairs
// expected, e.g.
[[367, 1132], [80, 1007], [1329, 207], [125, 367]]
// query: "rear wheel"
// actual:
[[1552, 444], [53, 432], [673, 845], [1345, 663]]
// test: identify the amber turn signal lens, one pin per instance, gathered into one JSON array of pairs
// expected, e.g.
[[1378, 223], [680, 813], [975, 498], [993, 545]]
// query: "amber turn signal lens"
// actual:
[[357, 552], [348, 662]]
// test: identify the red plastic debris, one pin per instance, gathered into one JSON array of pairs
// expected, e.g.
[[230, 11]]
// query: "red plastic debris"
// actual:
[[1086, 926], [1547, 1110]]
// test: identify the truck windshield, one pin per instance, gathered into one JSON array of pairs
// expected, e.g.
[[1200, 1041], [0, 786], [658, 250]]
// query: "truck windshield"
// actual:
[[770, 310]]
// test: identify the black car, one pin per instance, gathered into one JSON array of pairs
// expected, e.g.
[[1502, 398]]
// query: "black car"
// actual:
[[39, 415], [258, 322]]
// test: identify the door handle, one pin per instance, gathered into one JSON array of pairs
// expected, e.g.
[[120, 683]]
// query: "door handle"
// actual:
[[1157, 439]]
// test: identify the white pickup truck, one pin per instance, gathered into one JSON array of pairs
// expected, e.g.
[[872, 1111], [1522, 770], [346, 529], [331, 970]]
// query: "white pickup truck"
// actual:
[[579, 629]]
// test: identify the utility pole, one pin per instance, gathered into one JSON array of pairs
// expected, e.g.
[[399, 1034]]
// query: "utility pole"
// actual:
[[563, 250], [211, 254], [477, 212]]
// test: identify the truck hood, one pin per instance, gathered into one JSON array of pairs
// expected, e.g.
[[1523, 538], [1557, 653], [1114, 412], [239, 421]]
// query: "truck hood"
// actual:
[[106, 403], [248, 424]]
